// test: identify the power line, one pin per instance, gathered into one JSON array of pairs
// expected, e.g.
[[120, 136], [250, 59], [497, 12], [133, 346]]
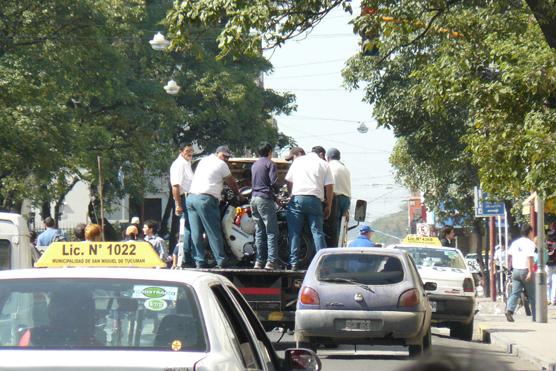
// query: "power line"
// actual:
[[301, 117], [304, 89], [302, 76], [310, 63]]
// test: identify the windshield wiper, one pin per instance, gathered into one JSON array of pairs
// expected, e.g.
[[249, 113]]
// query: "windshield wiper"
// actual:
[[347, 280]]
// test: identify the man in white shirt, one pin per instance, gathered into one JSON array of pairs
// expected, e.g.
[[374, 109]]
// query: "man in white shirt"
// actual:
[[342, 192], [181, 176], [309, 178], [521, 258], [203, 205]]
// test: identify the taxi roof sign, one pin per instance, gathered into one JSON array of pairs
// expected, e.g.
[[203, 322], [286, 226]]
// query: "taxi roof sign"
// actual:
[[421, 240], [100, 254]]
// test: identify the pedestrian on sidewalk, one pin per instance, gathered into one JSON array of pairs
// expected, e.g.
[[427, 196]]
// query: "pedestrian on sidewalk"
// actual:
[[521, 256], [551, 264]]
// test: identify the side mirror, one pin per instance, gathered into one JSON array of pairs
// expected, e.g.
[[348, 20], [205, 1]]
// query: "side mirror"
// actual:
[[298, 359], [360, 210], [430, 286]]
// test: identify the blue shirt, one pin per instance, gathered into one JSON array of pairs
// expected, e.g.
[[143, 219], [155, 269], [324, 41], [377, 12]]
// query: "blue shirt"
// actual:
[[361, 241], [46, 237], [263, 178]]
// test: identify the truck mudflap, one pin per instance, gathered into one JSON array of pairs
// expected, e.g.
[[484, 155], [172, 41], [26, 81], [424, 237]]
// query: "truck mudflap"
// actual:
[[271, 293]]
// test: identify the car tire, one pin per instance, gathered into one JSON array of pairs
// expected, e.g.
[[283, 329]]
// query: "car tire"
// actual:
[[427, 341], [307, 343], [415, 350], [462, 331]]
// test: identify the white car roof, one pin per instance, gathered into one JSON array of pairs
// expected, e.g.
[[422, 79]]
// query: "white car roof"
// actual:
[[185, 276]]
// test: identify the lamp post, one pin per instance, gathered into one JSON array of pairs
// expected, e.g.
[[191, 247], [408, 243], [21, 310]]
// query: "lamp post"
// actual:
[[160, 43]]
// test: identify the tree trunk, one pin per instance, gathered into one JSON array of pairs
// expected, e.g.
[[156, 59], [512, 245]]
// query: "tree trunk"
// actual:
[[60, 200], [545, 13]]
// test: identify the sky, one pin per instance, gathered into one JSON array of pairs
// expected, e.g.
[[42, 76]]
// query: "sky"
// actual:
[[328, 115]]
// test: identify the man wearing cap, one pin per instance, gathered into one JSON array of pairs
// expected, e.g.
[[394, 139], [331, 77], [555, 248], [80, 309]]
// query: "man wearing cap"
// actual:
[[181, 176], [364, 238], [309, 179], [202, 205], [342, 190]]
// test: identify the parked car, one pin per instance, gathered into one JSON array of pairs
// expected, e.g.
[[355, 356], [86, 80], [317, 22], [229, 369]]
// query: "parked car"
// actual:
[[130, 318], [453, 301], [363, 296]]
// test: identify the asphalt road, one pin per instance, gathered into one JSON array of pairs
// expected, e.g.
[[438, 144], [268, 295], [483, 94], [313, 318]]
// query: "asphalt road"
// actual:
[[477, 356]]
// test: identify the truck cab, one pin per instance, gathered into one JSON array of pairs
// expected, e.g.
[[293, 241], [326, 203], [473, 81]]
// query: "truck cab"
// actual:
[[15, 244]]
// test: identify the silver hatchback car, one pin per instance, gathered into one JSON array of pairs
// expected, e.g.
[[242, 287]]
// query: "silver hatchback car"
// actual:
[[363, 296]]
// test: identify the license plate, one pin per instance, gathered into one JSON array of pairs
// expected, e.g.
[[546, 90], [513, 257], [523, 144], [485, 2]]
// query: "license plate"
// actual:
[[358, 325], [434, 306]]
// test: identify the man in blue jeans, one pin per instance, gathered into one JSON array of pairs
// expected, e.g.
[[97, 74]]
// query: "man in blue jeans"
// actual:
[[202, 205], [521, 258], [263, 181], [309, 178]]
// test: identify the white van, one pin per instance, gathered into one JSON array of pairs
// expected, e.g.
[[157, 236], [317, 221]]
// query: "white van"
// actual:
[[16, 251]]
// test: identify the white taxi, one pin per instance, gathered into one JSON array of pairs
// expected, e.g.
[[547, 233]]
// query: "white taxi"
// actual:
[[453, 302], [88, 318]]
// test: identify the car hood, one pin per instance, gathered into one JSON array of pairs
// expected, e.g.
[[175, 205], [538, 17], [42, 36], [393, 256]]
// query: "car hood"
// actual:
[[89, 360], [449, 281]]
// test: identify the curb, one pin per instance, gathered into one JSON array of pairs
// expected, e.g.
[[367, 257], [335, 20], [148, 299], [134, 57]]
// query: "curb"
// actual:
[[492, 336]]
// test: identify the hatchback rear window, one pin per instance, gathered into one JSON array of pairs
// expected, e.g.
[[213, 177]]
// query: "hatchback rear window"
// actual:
[[368, 269], [99, 313]]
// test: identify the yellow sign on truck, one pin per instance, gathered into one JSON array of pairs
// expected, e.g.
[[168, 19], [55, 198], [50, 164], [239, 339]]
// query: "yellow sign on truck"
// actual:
[[100, 254]]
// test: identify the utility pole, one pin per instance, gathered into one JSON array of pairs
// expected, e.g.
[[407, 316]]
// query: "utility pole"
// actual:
[[492, 277], [541, 311], [101, 197]]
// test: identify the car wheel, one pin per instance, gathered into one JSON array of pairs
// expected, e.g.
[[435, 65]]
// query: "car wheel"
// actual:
[[427, 341], [307, 343], [415, 350], [462, 331]]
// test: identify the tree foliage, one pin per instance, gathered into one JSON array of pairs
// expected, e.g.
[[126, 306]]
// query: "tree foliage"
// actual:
[[468, 85], [78, 80]]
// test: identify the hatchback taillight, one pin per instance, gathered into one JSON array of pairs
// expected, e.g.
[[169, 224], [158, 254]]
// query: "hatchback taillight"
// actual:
[[309, 296], [410, 298], [468, 285]]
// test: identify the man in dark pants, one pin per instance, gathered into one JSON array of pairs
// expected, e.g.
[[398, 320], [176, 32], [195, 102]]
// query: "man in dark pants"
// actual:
[[263, 181], [309, 180]]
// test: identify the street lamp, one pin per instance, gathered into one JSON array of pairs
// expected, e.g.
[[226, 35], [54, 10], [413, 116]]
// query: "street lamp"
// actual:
[[362, 128], [159, 42], [172, 87]]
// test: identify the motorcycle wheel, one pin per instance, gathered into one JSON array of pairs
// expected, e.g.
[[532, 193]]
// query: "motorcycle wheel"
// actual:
[[306, 250]]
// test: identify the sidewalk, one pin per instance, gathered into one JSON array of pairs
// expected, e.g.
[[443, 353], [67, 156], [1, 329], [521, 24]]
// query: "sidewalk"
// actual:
[[531, 341]]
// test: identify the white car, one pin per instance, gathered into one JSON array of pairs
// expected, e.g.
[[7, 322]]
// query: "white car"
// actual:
[[453, 302], [131, 318]]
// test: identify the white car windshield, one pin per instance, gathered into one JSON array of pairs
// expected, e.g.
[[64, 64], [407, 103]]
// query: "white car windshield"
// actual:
[[435, 257], [99, 313]]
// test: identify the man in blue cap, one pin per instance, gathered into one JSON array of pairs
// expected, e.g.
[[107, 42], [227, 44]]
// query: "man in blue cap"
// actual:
[[364, 238]]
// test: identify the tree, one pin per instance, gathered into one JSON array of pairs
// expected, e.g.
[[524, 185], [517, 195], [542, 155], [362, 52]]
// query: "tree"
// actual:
[[485, 70], [78, 80]]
